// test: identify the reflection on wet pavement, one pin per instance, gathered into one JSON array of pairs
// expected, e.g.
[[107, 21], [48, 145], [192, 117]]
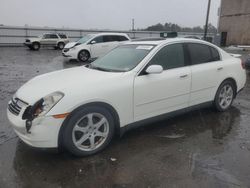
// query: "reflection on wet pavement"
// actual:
[[200, 149]]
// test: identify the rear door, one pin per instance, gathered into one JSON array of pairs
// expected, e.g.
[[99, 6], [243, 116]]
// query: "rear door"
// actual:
[[206, 67], [156, 94]]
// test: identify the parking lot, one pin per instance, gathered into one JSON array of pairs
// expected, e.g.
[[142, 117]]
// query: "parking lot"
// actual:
[[200, 149]]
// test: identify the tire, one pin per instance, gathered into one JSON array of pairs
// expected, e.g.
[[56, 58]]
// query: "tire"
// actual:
[[35, 46], [225, 96], [83, 56], [88, 131], [60, 45]]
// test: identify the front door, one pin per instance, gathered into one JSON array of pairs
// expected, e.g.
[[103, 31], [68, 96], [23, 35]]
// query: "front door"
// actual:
[[98, 48], [156, 94]]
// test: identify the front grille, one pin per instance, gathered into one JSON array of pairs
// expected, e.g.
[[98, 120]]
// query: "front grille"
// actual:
[[15, 106]]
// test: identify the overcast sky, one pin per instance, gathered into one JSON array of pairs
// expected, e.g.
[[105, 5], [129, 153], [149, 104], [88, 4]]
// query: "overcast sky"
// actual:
[[106, 14]]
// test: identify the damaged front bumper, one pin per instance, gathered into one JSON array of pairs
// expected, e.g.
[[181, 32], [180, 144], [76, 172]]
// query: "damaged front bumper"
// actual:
[[43, 133]]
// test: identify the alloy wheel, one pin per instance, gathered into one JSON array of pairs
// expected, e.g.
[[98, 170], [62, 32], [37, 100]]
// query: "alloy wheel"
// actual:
[[226, 96], [83, 56], [90, 132]]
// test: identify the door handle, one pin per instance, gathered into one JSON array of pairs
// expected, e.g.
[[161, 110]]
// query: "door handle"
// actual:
[[220, 68], [184, 76]]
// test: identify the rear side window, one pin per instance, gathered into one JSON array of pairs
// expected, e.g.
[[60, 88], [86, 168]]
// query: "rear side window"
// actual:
[[169, 57], [109, 38], [62, 36], [215, 54], [122, 38], [201, 53], [53, 36]]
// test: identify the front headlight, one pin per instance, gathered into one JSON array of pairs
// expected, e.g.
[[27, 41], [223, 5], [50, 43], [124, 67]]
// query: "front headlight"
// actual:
[[44, 105]]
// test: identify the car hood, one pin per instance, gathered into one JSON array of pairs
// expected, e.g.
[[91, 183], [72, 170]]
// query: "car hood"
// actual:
[[70, 44], [65, 81]]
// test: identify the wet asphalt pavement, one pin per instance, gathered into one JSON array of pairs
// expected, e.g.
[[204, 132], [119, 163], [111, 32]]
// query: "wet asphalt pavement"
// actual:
[[200, 149]]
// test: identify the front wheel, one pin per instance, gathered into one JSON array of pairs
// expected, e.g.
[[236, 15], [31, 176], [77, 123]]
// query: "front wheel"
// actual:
[[88, 131], [83, 56], [225, 96]]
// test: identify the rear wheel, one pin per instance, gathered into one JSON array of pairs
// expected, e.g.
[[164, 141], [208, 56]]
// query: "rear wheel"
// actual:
[[83, 56], [225, 96], [35, 46], [60, 45], [88, 131]]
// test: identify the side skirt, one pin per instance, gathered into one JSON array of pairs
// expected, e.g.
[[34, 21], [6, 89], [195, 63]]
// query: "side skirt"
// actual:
[[169, 115]]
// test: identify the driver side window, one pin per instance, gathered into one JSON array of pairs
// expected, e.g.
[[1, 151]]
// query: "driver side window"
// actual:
[[98, 39], [46, 36], [169, 57]]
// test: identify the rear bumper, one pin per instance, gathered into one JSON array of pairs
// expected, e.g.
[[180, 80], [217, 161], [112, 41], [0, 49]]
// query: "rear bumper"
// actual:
[[44, 130]]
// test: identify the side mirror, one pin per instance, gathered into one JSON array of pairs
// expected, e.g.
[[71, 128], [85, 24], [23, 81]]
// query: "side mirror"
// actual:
[[93, 42], [154, 69]]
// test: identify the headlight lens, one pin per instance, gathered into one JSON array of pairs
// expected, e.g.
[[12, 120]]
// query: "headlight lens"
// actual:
[[47, 103]]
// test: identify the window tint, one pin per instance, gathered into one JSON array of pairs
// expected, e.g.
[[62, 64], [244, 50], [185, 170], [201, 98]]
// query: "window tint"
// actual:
[[201, 53], [108, 38], [62, 36], [169, 57], [53, 36], [122, 38], [98, 39], [215, 54], [46, 36]]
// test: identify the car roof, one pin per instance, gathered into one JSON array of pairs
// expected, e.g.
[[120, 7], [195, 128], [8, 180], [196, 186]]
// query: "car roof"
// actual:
[[169, 40], [98, 34]]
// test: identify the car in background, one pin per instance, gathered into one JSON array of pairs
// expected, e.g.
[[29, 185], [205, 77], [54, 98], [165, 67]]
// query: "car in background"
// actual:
[[192, 37], [135, 83], [247, 64], [56, 40], [149, 39], [93, 46]]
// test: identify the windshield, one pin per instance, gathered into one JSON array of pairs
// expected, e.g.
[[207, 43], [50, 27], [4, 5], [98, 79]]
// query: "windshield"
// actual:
[[85, 39], [122, 58]]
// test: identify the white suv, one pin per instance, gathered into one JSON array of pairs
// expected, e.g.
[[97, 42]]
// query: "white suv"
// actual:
[[56, 40], [93, 45], [83, 108]]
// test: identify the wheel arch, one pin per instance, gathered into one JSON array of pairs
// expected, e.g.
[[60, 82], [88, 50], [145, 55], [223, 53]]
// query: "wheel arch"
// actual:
[[84, 49], [107, 106], [38, 42], [60, 42], [231, 79]]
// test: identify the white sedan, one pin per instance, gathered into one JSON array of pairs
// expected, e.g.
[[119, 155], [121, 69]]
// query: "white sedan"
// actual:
[[93, 46], [82, 108]]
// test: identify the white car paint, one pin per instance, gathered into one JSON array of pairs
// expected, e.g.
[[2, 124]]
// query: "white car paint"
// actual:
[[133, 97], [96, 50]]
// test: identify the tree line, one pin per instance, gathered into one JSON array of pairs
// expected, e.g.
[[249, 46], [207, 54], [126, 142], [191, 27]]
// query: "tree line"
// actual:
[[177, 28]]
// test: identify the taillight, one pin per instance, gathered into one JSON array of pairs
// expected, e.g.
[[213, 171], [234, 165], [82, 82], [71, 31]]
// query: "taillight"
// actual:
[[243, 65]]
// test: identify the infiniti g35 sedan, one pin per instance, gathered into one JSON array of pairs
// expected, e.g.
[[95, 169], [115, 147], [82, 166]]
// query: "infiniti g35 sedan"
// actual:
[[81, 109]]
